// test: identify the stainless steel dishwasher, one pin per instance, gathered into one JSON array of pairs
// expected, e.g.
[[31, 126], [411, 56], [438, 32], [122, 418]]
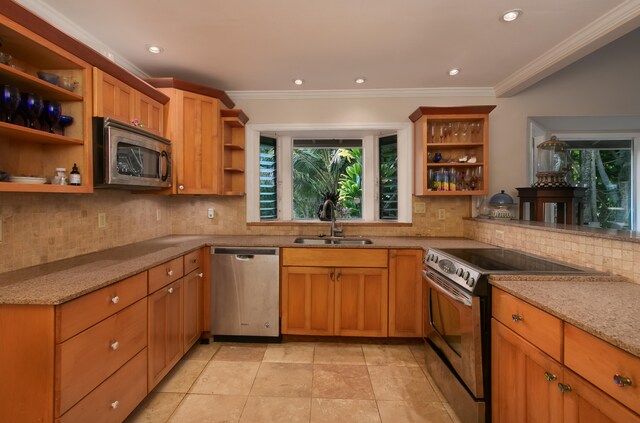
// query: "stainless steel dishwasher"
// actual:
[[245, 293]]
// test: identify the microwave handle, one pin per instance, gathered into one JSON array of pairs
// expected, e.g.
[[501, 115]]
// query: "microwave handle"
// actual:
[[164, 156]]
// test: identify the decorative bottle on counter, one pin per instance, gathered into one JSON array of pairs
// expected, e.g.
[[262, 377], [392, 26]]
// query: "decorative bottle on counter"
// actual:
[[74, 176]]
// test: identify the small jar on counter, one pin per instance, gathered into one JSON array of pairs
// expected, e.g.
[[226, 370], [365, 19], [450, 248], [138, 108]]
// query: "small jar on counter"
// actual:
[[61, 177]]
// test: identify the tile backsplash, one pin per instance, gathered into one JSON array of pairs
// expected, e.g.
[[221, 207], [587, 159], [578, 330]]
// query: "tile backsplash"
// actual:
[[39, 228]]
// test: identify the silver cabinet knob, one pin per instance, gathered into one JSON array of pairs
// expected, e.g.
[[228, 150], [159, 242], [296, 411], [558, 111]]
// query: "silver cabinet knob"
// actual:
[[181, 187], [115, 345], [170, 290], [170, 272], [200, 274], [115, 299], [550, 377], [517, 318], [621, 381], [564, 388], [115, 404]]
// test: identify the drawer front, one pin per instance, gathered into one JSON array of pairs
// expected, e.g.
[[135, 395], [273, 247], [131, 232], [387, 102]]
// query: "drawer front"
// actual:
[[116, 397], [75, 316], [536, 326], [599, 362], [192, 261], [87, 359], [335, 257], [165, 273]]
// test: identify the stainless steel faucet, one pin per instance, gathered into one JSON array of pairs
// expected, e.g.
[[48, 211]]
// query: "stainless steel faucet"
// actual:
[[336, 231]]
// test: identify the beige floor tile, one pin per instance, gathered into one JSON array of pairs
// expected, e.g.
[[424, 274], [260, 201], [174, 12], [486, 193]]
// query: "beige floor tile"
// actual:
[[413, 412], [343, 411], [226, 378], [342, 381], [202, 351], [275, 410], [338, 354], [401, 383], [156, 408], [209, 408], [295, 352], [240, 353], [283, 380], [181, 377], [388, 355]]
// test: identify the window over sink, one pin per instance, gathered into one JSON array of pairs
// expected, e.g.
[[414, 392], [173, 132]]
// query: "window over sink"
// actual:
[[365, 170]]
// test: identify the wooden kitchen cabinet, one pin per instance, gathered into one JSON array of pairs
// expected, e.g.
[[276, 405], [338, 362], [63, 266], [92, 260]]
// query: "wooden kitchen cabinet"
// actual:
[[193, 299], [451, 139], [35, 151], [529, 385], [405, 293], [334, 292], [232, 127], [165, 331], [115, 99]]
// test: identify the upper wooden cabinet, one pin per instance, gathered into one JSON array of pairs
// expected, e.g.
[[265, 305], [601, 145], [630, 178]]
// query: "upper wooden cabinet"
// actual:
[[35, 150], [115, 99], [451, 150], [233, 122]]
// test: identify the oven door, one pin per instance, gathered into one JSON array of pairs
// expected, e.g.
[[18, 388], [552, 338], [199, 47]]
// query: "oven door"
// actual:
[[454, 327]]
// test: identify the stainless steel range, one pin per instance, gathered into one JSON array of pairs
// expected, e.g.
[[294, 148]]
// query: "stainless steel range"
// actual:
[[457, 319]]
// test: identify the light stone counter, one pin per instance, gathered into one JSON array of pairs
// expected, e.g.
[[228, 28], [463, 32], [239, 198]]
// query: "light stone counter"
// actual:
[[64, 280], [605, 306]]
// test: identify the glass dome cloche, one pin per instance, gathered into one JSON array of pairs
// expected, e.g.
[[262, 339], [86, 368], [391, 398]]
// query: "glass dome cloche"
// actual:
[[554, 164], [501, 206]]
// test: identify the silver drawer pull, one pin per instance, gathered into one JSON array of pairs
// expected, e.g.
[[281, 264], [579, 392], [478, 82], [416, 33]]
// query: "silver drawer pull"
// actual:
[[621, 381], [550, 377], [170, 272], [517, 318], [170, 290], [115, 404], [115, 345], [200, 274], [115, 299]]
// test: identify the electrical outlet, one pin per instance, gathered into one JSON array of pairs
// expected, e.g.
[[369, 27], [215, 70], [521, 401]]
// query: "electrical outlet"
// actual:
[[158, 215], [499, 235], [419, 208], [102, 220], [211, 213], [441, 215]]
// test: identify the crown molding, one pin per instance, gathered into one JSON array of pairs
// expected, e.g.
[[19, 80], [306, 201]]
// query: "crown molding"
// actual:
[[60, 21], [598, 33], [366, 93]]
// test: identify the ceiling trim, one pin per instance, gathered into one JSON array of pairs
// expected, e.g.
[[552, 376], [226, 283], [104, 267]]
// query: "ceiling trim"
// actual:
[[366, 93], [61, 22], [600, 32]]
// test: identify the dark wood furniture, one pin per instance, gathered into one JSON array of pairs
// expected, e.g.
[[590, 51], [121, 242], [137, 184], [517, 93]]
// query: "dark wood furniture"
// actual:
[[568, 199]]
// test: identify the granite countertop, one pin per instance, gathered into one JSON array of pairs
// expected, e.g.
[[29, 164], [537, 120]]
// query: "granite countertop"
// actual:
[[605, 306], [61, 281]]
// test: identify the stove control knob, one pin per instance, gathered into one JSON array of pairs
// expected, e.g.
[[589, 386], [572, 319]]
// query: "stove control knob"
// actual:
[[428, 257], [434, 258], [466, 275], [459, 271], [471, 282]]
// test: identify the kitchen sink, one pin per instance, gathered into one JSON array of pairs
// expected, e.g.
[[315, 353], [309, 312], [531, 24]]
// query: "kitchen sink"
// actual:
[[333, 241]]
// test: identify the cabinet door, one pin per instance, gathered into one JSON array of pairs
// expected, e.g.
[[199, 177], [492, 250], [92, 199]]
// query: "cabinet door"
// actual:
[[307, 300], [405, 293], [586, 403], [361, 301], [149, 112], [524, 380], [165, 331], [199, 166], [193, 317], [113, 98]]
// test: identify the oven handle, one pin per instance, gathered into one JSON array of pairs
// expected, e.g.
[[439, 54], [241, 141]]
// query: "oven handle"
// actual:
[[449, 291]]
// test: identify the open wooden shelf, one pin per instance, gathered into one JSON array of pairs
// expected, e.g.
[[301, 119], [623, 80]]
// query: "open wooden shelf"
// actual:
[[24, 134], [455, 164], [30, 83], [454, 193], [233, 147], [234, 169], [454, 144], [68, 189]]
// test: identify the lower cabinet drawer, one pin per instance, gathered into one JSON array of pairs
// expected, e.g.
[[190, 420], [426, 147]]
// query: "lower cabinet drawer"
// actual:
[[90, 357], [116, 397], [609, 368]]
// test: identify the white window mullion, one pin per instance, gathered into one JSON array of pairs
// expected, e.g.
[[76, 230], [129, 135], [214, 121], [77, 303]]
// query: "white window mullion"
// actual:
[[369, 175], [285, 178], [405, 174]]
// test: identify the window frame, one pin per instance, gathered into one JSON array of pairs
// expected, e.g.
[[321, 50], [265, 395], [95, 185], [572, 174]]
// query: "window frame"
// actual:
[[285, 133]]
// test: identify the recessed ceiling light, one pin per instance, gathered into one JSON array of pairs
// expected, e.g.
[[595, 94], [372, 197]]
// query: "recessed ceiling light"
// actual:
[[152, 48], [360, 80], [454, 71], [511, 15], [298, 81]]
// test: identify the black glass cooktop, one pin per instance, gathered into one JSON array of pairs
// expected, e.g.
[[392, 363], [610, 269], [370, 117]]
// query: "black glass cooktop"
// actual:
[[492, 260]]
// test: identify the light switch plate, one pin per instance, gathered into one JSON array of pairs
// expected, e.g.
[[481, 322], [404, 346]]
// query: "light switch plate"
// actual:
[[102, 220], [499, 235], [441, 214], [419, 208]]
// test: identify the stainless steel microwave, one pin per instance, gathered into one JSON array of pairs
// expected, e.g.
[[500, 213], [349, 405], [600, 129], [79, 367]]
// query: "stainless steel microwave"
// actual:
[[126, 156]]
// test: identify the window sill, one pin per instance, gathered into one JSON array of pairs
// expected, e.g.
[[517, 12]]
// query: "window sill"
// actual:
[[323, 224]]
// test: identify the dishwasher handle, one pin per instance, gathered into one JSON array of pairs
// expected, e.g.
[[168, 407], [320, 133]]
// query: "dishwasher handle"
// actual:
[[244, 253], [244, 257]]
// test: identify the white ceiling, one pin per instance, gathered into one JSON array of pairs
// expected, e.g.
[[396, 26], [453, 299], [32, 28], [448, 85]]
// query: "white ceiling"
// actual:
[[259, 45]]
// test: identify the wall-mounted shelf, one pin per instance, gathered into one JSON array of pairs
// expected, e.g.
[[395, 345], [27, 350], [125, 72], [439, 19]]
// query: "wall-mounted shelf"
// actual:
[[24, 134], [233, 121]]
